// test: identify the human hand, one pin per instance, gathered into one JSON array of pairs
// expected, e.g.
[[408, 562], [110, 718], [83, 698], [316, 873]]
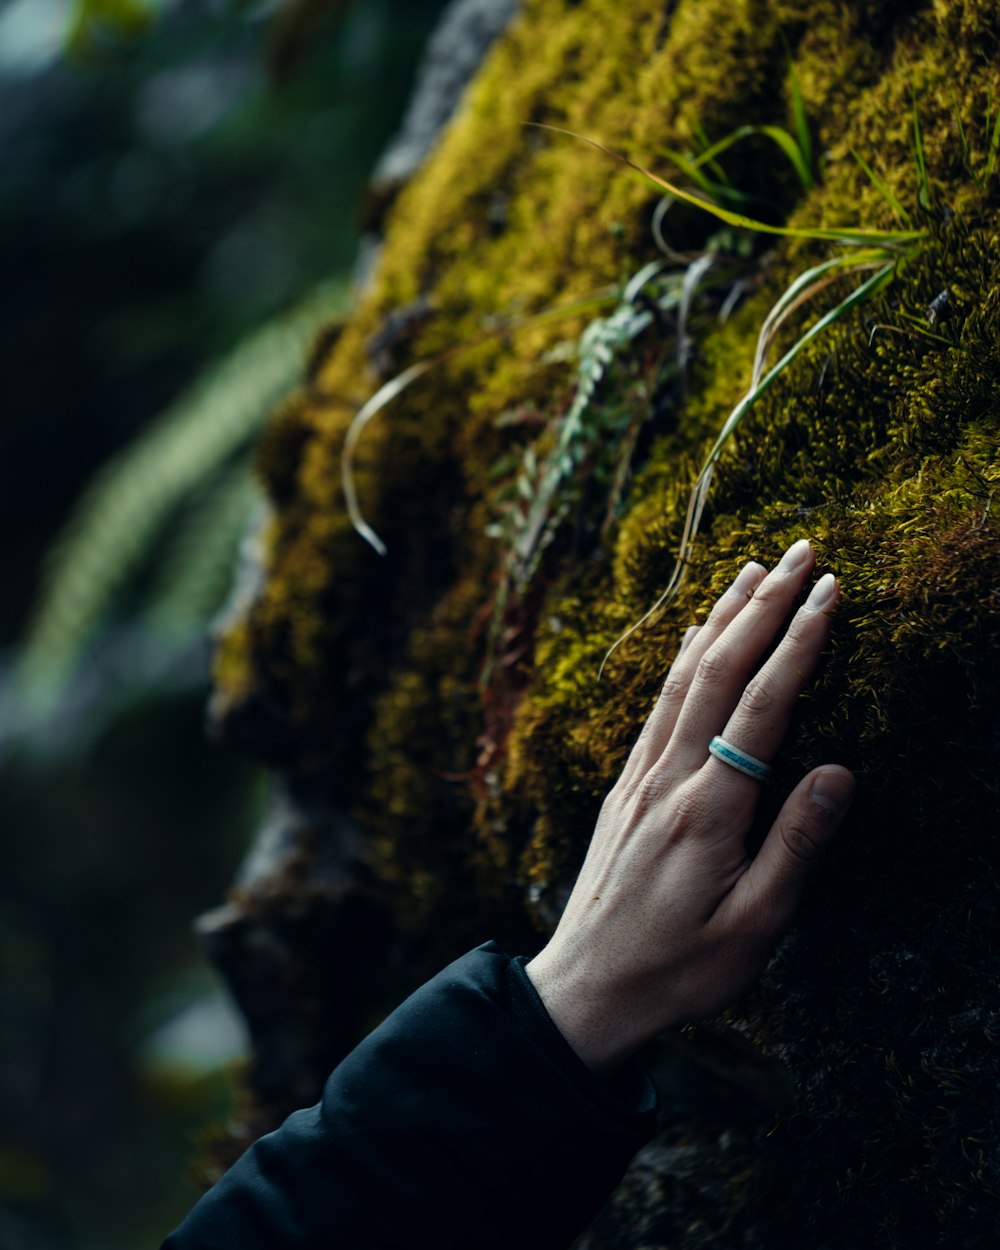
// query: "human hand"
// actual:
[[671, 919]]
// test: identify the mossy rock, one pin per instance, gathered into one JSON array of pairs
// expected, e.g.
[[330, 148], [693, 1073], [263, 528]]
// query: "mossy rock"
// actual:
[[360, 677]]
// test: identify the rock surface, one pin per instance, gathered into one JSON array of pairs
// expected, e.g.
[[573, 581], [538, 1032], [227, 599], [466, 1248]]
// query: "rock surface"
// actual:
[[437, 711]]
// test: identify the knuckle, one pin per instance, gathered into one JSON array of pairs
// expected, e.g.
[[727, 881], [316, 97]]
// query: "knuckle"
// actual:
[[724, 610], [759, 696], [653, 788], [715, 666], [801, 840], [768, 592], [800, 626], [613, 800], [674, 688], [688, 808], [681, 808]]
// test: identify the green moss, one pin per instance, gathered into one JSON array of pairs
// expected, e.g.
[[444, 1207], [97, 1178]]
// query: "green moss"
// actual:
[[881, 447]]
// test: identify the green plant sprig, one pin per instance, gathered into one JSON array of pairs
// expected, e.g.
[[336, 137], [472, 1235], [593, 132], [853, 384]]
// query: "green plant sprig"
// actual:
[[592, 440], [530, 533], [395, 387], [134, 502]]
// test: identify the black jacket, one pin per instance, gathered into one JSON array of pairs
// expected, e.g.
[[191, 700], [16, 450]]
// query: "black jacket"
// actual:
[[465, 1120]]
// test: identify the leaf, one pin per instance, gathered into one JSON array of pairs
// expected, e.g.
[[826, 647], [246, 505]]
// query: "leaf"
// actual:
[[804, 287], [128, 505], [957, 112], [715, 190], [792, 150]]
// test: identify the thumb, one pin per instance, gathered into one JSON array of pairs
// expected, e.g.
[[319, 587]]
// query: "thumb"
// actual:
[[810, 817]]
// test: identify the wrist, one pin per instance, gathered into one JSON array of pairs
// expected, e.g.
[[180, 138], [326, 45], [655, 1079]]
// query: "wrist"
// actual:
[[601, 1034]]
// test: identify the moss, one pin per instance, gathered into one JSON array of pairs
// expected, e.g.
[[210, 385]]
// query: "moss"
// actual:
[[877, 444]]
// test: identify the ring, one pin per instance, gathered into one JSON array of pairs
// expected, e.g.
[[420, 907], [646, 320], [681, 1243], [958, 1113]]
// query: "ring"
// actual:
[[738, 759]]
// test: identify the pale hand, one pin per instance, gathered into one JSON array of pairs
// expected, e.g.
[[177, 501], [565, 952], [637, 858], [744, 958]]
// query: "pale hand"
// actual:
[[671, 919]]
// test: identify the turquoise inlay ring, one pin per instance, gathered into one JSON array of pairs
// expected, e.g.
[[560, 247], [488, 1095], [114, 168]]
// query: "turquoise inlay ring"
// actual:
[[739, 760]]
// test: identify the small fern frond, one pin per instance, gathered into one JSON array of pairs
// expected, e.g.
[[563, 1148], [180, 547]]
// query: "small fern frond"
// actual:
[[396, 385], [543, 489]]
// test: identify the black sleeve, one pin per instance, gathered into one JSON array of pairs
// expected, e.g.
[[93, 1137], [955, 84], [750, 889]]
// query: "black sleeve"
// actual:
[[464, 1120]]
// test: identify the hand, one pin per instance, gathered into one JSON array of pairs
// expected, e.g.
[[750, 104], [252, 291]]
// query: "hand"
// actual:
[[670, 919]]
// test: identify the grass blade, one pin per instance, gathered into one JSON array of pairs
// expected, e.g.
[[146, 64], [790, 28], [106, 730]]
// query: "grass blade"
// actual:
[[776, 134], [692, 278], [703, 139], [843, 234], [865, 291], [924, 192], [793, 151], [382, 397], [801, 123], [883, 189], [956, 110], [691, 166], [803, 289]]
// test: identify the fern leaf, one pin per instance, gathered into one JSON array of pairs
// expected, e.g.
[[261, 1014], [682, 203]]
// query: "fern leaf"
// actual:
[[130, 501], [195, 572]]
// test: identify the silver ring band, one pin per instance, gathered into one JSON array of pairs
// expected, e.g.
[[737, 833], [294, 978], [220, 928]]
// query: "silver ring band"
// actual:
[[739, 760]]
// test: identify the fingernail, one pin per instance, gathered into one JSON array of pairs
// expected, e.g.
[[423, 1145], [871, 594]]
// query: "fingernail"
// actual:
[[822, 594], [832, 790], [795, 556], [746, 579]]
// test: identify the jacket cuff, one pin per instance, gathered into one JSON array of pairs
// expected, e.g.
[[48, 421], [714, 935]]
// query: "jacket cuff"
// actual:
[[631, 1095]]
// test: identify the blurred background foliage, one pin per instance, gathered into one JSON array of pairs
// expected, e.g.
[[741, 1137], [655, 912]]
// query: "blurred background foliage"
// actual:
[[179, 201]]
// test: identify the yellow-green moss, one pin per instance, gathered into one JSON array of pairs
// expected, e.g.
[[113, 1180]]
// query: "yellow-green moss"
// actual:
[[881, 448]]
